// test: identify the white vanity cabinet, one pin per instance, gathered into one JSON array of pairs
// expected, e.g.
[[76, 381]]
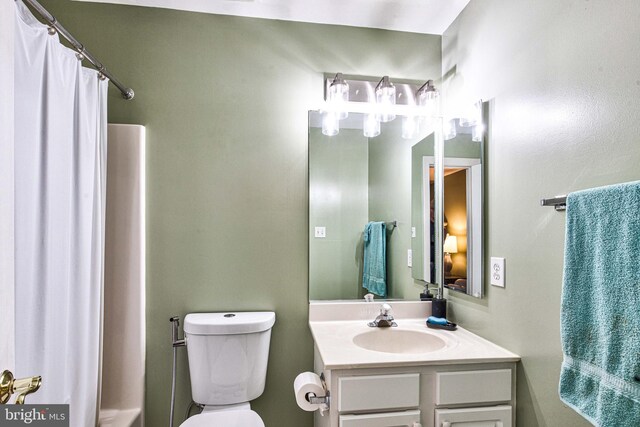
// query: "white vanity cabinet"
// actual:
[[378, 377], [446, 395]]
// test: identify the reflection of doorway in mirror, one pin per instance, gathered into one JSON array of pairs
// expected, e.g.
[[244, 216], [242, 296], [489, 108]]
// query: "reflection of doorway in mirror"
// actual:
[[455, 209], [455, 213], [463, 220]]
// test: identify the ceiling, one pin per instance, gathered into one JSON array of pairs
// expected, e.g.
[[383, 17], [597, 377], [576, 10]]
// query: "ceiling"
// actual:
[[415, 16]]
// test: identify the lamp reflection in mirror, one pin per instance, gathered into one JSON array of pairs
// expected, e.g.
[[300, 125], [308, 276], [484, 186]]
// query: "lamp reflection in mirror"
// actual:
[[330, 123], [449, 129], [472, 115], [370, 126], [410, 127], [450, 247]]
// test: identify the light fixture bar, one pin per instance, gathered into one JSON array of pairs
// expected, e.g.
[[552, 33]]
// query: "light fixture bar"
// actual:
[[365, 91]]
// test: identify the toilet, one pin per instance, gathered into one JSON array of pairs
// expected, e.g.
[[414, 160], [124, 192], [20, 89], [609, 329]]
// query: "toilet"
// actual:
[[228, 355]]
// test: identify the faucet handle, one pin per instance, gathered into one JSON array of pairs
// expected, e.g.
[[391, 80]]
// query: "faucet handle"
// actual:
[[385, 309]]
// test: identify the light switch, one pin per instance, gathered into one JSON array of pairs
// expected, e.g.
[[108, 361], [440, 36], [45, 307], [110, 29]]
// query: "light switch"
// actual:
[[413, 232], [497, 272], [321, 232], [409, 258]]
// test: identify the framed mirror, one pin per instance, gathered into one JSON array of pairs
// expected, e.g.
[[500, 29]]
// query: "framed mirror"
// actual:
[[463, 212], [355, 180]]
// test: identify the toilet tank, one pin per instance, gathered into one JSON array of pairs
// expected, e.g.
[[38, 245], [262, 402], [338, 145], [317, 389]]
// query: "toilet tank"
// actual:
[[228, 355]]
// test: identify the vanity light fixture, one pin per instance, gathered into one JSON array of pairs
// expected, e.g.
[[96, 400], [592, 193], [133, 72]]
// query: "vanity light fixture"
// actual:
[[382, 101], [338, 95], [386, 97], [429, 97]]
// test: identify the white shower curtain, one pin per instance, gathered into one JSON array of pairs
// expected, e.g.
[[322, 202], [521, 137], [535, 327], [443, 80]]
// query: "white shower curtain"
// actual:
[[60, 162]]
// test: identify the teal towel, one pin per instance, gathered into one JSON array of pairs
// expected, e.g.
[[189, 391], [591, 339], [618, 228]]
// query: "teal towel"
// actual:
[[374, 271], [600, 319]]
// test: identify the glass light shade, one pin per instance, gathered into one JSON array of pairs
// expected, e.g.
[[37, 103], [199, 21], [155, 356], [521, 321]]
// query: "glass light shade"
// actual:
[[449, 129], [430, 99], [330, 123], [450, 244], [338, 96], [385, 98], [371, 126], [410, 127], [477, 132]]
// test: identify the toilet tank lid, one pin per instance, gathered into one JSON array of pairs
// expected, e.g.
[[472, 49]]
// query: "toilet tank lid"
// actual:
[[228, 323]]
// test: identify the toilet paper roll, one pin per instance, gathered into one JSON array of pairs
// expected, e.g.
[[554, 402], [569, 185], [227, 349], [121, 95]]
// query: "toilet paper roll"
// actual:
[[305, 383]]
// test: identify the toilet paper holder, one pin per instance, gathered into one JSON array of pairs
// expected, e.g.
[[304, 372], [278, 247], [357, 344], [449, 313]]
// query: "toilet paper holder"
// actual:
[[320, 400]]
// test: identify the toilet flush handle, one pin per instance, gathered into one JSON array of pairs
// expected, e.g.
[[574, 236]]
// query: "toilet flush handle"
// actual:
[[175, 324]]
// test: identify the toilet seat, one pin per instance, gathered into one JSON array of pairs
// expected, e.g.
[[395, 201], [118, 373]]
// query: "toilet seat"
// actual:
[[240, 418]]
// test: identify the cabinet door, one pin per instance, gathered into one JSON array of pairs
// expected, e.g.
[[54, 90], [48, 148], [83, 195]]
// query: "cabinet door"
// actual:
[[495, 416], [391, 419]]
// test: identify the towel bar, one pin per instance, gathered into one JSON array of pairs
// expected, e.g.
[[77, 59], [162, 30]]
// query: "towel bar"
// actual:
[[558, 202]]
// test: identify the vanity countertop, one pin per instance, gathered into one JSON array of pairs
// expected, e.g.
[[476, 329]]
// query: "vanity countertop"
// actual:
[[335, 343]]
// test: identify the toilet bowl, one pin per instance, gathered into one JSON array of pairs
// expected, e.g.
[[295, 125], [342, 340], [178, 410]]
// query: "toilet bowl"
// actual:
[[228, 355]]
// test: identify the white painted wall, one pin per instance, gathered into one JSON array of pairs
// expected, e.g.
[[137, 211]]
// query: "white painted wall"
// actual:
[[7, 339]]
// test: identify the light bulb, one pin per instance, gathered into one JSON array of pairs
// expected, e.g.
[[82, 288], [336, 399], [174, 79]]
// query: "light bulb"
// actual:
[[338, 96], [410, 127], [370, 126], [449, 129], [386, 98], [330, 123]]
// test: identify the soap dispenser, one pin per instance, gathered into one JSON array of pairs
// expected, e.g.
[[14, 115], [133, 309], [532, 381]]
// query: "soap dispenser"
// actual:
[[439, 306], [426, 295]]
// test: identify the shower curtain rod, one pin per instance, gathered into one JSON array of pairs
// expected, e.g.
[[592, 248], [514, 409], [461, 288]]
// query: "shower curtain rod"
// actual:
[[127, 92]]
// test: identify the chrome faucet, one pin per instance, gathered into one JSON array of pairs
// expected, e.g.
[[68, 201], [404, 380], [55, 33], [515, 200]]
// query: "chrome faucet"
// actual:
[[384, 319]]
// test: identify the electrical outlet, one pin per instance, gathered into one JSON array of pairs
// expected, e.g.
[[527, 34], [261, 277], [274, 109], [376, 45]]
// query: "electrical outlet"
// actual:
[[497, 272], [321, 232], [409, 258]]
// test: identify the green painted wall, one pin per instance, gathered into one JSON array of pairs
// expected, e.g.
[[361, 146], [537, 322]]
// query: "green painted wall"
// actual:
[[563, 80], [390, 199], [225, 101], [339, 201]]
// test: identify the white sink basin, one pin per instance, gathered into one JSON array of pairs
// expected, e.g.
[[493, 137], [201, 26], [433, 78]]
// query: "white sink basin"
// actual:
[[393, 340]]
